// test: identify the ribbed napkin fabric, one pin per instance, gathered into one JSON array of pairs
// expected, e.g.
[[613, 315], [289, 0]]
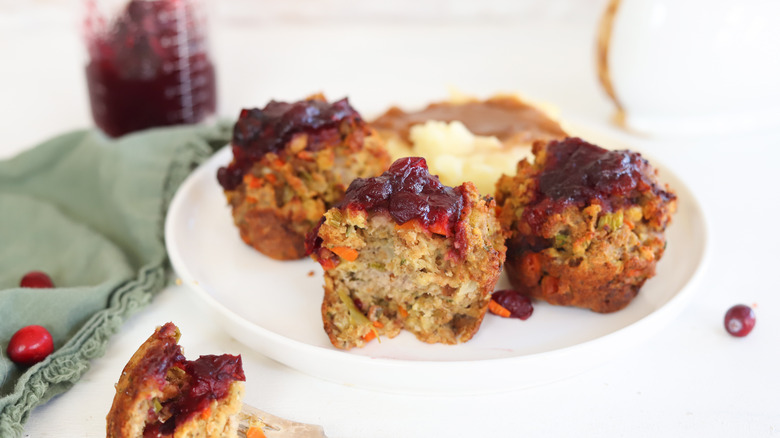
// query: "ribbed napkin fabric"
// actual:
[[89, 211]]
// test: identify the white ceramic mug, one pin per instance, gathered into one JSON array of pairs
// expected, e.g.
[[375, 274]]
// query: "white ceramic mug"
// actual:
[[692, 67]]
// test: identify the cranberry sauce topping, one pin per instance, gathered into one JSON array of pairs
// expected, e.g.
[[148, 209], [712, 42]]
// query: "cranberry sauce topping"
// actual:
[[209, 379], [578, 173], [159, 360], [260, 131], [408, 191]]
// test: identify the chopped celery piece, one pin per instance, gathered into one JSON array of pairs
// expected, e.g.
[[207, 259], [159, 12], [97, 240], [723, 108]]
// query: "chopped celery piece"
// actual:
[[157, 406], [335, 218], [611, 220], [354, 313]]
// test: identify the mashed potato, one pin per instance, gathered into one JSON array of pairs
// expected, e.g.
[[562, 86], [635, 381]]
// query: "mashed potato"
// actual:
[[468, 139], [457, 155]]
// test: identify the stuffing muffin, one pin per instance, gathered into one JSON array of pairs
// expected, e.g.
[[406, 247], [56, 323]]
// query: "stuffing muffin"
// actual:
[[403, 251], [585, 226], [161, 394], [291, 163]]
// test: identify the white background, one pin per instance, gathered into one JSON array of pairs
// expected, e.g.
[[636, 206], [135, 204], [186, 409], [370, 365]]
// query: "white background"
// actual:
[[690, 379]]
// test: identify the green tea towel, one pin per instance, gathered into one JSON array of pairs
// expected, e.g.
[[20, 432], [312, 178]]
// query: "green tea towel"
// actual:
[[89, 211]]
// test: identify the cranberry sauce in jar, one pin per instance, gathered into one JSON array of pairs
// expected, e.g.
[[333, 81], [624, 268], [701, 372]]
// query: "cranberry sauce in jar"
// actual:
[[149, 66]]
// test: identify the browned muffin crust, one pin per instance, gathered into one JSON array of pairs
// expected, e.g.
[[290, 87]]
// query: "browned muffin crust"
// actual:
[[585, 226]]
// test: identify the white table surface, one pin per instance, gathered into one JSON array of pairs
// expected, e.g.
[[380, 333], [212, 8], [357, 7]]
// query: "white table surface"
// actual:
[[689, 379]]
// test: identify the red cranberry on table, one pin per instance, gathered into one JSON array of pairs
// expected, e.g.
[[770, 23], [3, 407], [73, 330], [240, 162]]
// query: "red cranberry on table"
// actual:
[[739, 320], [36, 279], [30, 345]]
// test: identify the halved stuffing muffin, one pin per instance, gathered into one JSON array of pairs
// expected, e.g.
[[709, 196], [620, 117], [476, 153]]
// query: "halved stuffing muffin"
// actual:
[[291, 163], [403, 251], [162, 394], [585, 225]]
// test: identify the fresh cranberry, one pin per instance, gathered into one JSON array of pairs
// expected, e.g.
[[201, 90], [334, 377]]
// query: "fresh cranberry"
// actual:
[[518, 305], [739, 320], [37, 280], [30, 345]]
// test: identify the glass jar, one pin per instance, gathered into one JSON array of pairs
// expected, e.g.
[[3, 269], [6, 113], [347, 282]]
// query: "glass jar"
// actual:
[[148, 64]]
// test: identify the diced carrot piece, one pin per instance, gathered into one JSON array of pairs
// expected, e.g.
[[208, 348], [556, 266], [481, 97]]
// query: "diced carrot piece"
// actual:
[[369, 336], [633, 272], [206, 413], [498, 309], [531, 268], [252, 181], [378, 324], [408, 225], [345, 253], [255, 432], [549, 285], [305, 155], [402, 311], [439, 228], [271, 178]]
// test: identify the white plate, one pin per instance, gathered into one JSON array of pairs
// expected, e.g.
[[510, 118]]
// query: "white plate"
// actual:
[[274, 307]]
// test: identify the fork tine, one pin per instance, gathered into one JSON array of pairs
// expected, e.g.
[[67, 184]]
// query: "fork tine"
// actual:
[[274, 426]]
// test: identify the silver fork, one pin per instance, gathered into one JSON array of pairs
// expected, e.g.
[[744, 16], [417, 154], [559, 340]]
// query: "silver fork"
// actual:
[[275, 427]]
